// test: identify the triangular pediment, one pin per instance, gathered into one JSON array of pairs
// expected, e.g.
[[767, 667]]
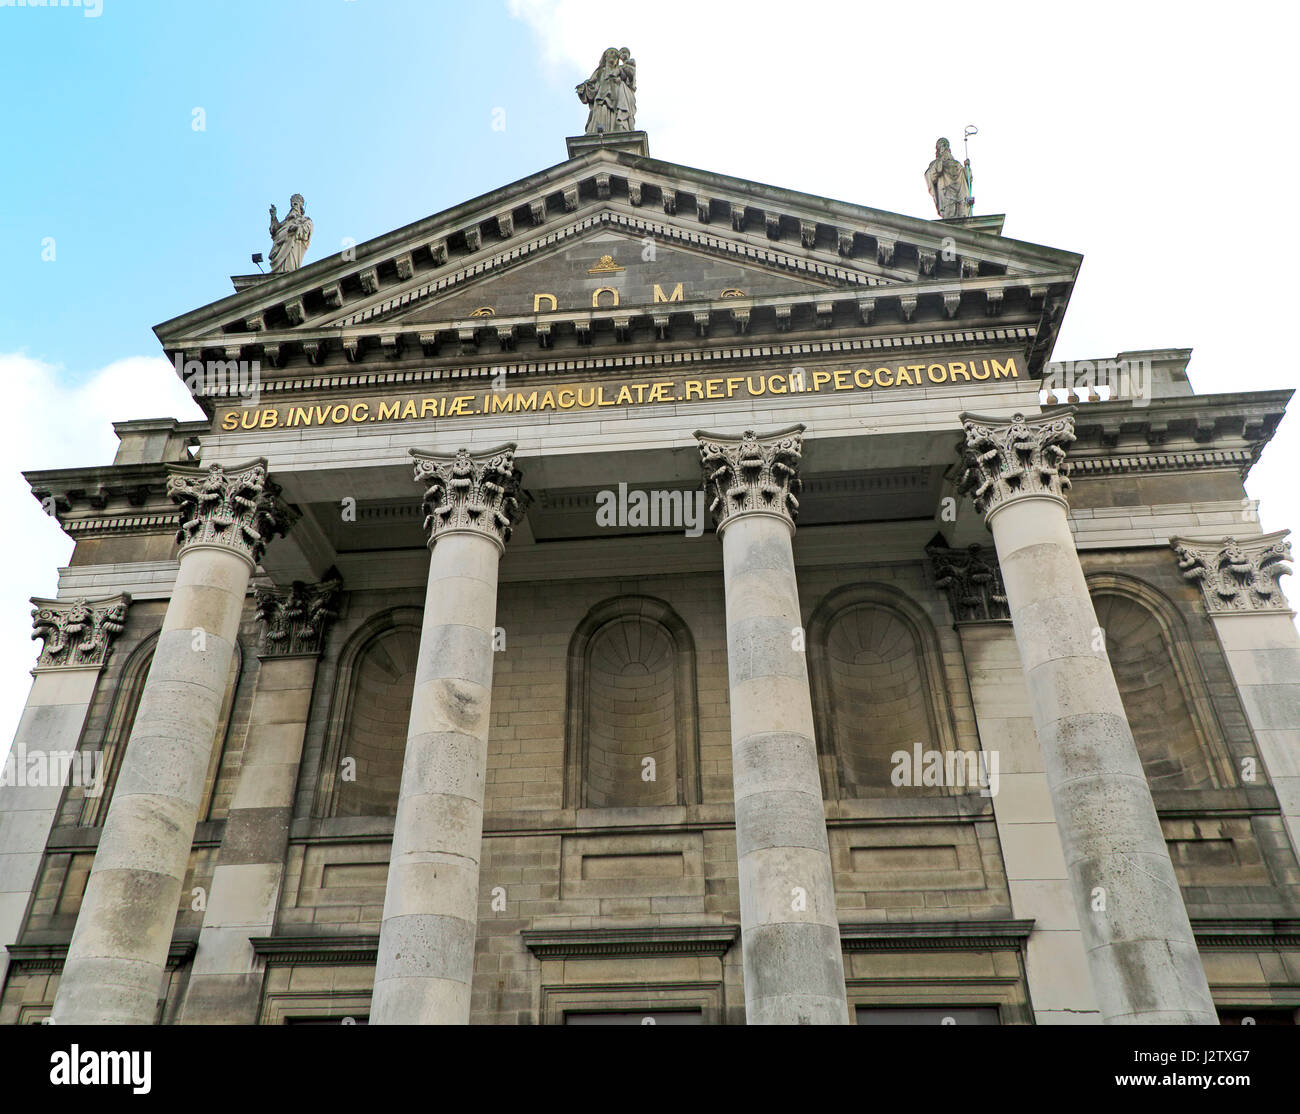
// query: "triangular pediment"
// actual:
[[604, 267], [674, 235]]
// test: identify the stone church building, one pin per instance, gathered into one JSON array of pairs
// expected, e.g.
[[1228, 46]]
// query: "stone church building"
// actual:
[[643, 595]]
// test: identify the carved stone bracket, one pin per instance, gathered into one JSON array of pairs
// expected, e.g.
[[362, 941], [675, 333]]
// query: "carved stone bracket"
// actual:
[[77, 633], [478, 492], [294, 619], [752, 474], [1009, 458], [1238, 575], [237, 508], [972, 580]]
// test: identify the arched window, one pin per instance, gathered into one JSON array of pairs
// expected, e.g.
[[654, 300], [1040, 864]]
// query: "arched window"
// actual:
[[121, 720], [368, 722], [632, 732], [878, 688], [1165, 696]]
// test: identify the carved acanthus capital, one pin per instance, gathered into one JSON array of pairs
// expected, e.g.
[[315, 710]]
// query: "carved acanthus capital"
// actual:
[[1006, 458], [972, 579], [77, 633], [1238, 574], [294, 619], [477, 492], [752, 474], [236, 508]]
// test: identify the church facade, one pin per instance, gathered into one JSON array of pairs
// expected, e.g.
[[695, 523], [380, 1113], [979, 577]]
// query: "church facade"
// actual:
[[643, 595]]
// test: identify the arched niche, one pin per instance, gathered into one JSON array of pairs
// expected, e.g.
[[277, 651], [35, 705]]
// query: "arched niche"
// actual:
[[369, 717], [879, 688], [1161, 683], [631, 697]]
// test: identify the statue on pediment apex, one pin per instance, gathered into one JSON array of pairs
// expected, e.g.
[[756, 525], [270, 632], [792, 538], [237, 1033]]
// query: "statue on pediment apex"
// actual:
[[949, 183], [290, 237], [611, 93]]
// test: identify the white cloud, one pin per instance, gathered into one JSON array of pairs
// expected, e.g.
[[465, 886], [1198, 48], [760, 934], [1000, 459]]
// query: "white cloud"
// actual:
[[56, 422]]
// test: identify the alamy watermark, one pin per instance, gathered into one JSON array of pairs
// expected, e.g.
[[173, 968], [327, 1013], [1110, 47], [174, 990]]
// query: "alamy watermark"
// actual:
[[1129, 378], [962, 769], [681, 509], [91, 9], [46, 769], [240, 379]]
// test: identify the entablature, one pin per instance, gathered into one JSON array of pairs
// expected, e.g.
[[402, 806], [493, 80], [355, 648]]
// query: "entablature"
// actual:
[[1185, 433]]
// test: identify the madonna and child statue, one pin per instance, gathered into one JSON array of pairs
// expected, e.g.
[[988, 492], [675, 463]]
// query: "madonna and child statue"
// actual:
[[610, 93]]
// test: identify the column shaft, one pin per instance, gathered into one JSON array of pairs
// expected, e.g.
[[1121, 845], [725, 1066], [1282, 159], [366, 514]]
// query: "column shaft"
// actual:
[[790, 937], [425, 967], [790, 934], [1141, 952], [115, 964], [114, 970], [426, 945]]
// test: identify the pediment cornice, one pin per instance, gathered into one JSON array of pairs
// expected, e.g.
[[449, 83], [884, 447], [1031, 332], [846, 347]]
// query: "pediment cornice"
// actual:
[[837, 244]]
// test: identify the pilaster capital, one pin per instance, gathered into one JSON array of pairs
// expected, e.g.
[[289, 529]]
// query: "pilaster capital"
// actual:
[[1237, 576], [77, 634], [752, 474], [236, 507], [972, 579], [1007, 458], [478, 493], [294, 619]]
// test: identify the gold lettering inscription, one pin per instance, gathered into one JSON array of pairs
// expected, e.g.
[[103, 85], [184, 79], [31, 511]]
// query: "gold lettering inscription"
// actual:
[[591, 396]]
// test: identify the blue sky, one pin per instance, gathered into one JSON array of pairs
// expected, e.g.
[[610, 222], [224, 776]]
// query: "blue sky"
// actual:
[[379, 113], [1150, 137]]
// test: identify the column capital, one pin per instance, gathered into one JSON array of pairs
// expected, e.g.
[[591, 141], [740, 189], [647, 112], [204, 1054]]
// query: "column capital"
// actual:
[[77, 634], [1238, 576], [755, 473], [972, 579], [1009, 458], [294, 619], [235, 507], [476, 493]]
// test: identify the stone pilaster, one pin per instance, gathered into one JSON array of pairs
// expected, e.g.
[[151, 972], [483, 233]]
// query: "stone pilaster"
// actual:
[[114, 969], [225, 985], [790, 938], [1239, 582], [77, 638], [972, 581], [1142, 956], [425, 966]]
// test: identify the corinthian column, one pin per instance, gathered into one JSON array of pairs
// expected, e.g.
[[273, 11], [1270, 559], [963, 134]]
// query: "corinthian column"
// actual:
[[790, 936], [1256, 627], [426, 943], [114, 969], [1142, 957]]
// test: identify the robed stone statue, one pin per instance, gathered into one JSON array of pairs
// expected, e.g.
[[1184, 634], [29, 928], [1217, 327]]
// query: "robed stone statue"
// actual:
[[611, 93], [290, 237], [949, 182]]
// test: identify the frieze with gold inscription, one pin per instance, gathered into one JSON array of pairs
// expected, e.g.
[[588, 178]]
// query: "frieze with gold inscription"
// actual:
[[487, 401]]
